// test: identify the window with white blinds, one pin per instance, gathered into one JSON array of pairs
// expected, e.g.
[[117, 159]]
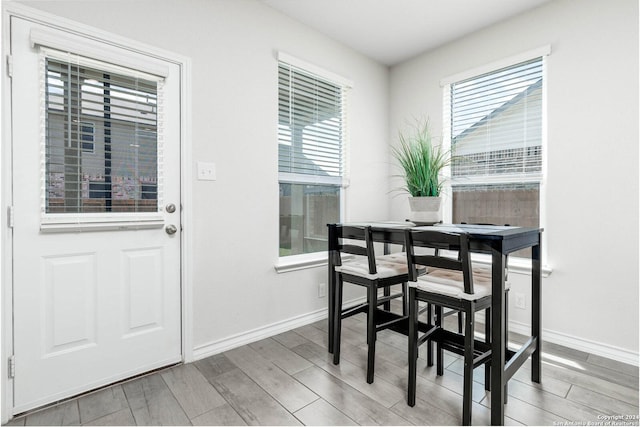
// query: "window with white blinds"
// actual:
[[101, 138], [495, 123], [310, 125], [311, 142]]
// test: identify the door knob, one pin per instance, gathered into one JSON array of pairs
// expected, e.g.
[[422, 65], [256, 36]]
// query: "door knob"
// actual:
[[170, 229]]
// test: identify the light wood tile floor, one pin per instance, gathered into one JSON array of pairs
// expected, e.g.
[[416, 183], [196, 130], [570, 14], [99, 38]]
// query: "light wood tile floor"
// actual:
[[289, 379]]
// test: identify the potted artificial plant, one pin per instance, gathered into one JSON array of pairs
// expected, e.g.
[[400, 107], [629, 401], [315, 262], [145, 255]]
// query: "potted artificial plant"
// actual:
[[422, 163]]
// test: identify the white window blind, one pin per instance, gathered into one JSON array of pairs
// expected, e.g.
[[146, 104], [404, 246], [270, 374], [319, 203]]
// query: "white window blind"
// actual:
[[102, 148], [496, 125], [311, 127]]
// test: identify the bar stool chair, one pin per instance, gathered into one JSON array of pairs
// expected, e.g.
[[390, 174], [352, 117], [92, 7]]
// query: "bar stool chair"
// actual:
[[372, 272], [483, 270], [480, 270], [451, 283]]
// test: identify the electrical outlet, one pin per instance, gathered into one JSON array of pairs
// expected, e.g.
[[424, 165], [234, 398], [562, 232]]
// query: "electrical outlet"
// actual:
[[521, 301], [322, 290], [206, 171]]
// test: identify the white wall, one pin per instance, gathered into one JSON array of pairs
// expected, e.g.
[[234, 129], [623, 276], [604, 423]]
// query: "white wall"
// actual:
[[591, 244], [590, 300], [233, 45]]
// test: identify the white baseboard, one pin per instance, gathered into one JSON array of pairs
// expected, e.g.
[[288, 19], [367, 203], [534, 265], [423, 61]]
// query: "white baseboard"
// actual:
[[577, 343], [581, 344], [216, 347]]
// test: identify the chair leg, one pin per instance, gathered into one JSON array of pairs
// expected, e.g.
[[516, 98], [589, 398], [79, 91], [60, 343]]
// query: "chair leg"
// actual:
[[429, 342], [387, 305], [506, 338], [439, 350], [413, 347], [371, 331], [405, 299], [487, 339], [337, 320], [467, 394], [460, 322]]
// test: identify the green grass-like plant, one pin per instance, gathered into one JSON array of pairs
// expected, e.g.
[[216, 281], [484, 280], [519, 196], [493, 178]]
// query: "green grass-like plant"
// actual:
[[421, 160]]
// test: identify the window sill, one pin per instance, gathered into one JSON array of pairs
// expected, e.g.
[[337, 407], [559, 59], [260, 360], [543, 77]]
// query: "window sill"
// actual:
[[73, 223], [516, 265], [300, 262], [319, 259]]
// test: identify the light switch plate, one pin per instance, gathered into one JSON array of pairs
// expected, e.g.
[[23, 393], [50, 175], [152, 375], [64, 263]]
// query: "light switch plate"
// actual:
[[206, 171]]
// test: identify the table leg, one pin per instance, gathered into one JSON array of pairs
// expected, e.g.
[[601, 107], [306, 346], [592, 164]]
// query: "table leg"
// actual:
[[536, 309], [331, 295], [387, 289], [498, 338]]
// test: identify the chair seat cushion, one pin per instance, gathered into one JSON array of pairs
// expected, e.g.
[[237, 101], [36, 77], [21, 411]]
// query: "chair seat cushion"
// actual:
[[386, 266], [450, 283], [399, 257]]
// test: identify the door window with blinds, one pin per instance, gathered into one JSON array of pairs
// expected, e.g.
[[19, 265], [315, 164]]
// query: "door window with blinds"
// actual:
[[311, 138], [102, 151], [496, 125]]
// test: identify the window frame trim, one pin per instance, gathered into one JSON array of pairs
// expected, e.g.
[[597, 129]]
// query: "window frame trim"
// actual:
[[538, 52], [297, 178], [314, 69], [91, 50]]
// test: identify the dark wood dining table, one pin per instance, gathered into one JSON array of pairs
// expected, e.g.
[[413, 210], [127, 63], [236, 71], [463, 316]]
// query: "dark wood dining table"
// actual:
[[497, 241]]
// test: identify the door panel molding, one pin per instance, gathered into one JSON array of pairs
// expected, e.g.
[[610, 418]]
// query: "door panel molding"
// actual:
[[69, 332], [143, 304]]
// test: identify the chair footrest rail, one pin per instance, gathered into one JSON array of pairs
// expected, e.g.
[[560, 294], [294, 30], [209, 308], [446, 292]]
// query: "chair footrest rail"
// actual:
[[454, 342], [517, 358]]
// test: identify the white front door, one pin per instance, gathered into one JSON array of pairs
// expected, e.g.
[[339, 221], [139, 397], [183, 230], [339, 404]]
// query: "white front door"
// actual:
[[96, 241]]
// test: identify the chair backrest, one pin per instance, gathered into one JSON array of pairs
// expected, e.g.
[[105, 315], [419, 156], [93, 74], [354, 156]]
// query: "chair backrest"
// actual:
[[346, 238], [506, 258], [439, 240]]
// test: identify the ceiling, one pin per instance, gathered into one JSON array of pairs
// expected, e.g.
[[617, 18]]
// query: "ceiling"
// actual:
[[391, 31]]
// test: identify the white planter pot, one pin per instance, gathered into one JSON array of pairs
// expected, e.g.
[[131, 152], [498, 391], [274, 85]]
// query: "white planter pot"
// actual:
[[426, 209]]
